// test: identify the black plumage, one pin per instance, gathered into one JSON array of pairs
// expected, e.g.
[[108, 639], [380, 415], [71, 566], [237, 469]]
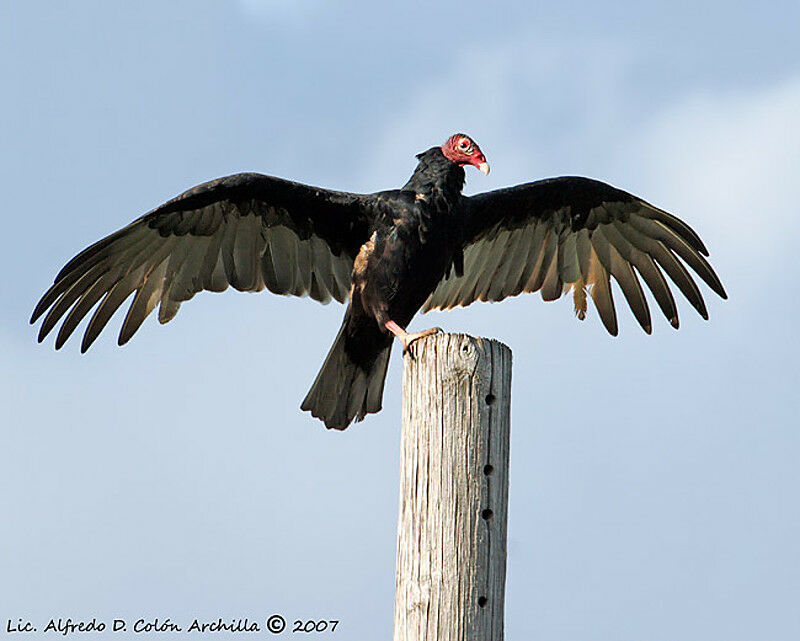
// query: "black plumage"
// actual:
[[425, 246]]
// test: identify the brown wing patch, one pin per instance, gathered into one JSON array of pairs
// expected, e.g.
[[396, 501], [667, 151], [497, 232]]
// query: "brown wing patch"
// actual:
[[579, 298], [360, 263]]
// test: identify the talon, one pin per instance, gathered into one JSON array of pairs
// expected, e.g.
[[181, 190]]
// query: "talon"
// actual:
[[410, 338], [405, 338]]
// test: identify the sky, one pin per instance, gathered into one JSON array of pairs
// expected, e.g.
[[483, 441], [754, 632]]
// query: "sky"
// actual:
[[653, 479]]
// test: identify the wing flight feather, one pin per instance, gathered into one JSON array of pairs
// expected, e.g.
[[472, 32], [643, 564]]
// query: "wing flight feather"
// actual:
[[247, 231], [575, 234]]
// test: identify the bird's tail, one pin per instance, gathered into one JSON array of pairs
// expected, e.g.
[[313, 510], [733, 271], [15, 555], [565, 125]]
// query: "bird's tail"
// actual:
[[344, 390]]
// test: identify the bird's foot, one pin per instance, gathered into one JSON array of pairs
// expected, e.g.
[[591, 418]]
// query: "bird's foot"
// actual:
[[405, 338], [410, 338]]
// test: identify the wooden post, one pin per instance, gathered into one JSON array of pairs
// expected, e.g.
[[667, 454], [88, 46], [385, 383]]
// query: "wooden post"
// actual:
[[451, 548]]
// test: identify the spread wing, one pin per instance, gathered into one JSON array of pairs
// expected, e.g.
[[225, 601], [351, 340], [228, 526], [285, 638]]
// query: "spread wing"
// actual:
[[246, 230], [574, 233]]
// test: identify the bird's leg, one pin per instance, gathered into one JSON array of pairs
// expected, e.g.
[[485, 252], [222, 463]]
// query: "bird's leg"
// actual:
[[405, 338]]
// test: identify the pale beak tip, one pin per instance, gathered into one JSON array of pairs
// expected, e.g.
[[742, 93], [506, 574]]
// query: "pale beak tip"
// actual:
[[484, 168]]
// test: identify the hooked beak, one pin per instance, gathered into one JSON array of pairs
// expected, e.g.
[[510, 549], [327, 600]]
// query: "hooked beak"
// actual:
[[484, 168]]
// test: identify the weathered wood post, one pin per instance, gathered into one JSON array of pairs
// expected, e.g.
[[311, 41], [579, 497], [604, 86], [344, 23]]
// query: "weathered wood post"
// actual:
[[451, 547]]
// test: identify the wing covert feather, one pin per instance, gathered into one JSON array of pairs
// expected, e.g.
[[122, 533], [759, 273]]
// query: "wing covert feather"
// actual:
[[247, 231], [574, 233]]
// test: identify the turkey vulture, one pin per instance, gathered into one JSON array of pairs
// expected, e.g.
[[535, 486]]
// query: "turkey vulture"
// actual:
[[425, 246]]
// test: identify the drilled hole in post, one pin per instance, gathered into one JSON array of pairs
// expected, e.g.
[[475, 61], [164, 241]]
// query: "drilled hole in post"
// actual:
[[490, 399], [488, 469], [487, 514], [482, 600]]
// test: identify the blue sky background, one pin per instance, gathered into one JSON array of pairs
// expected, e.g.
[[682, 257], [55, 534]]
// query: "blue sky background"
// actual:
[[654, 480]]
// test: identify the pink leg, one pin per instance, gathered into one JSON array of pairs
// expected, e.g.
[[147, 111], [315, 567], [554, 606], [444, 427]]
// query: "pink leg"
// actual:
[[405, 338]]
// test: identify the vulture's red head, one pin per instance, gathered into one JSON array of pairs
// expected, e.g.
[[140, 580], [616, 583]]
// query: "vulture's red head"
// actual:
[[463, 150]]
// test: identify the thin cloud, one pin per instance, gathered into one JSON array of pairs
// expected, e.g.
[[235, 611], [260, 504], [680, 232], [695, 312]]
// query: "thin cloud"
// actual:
[[734, 159], [521, 99], [725, 161]]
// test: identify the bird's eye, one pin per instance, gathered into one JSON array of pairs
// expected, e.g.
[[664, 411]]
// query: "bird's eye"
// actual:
[[464, 145]]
